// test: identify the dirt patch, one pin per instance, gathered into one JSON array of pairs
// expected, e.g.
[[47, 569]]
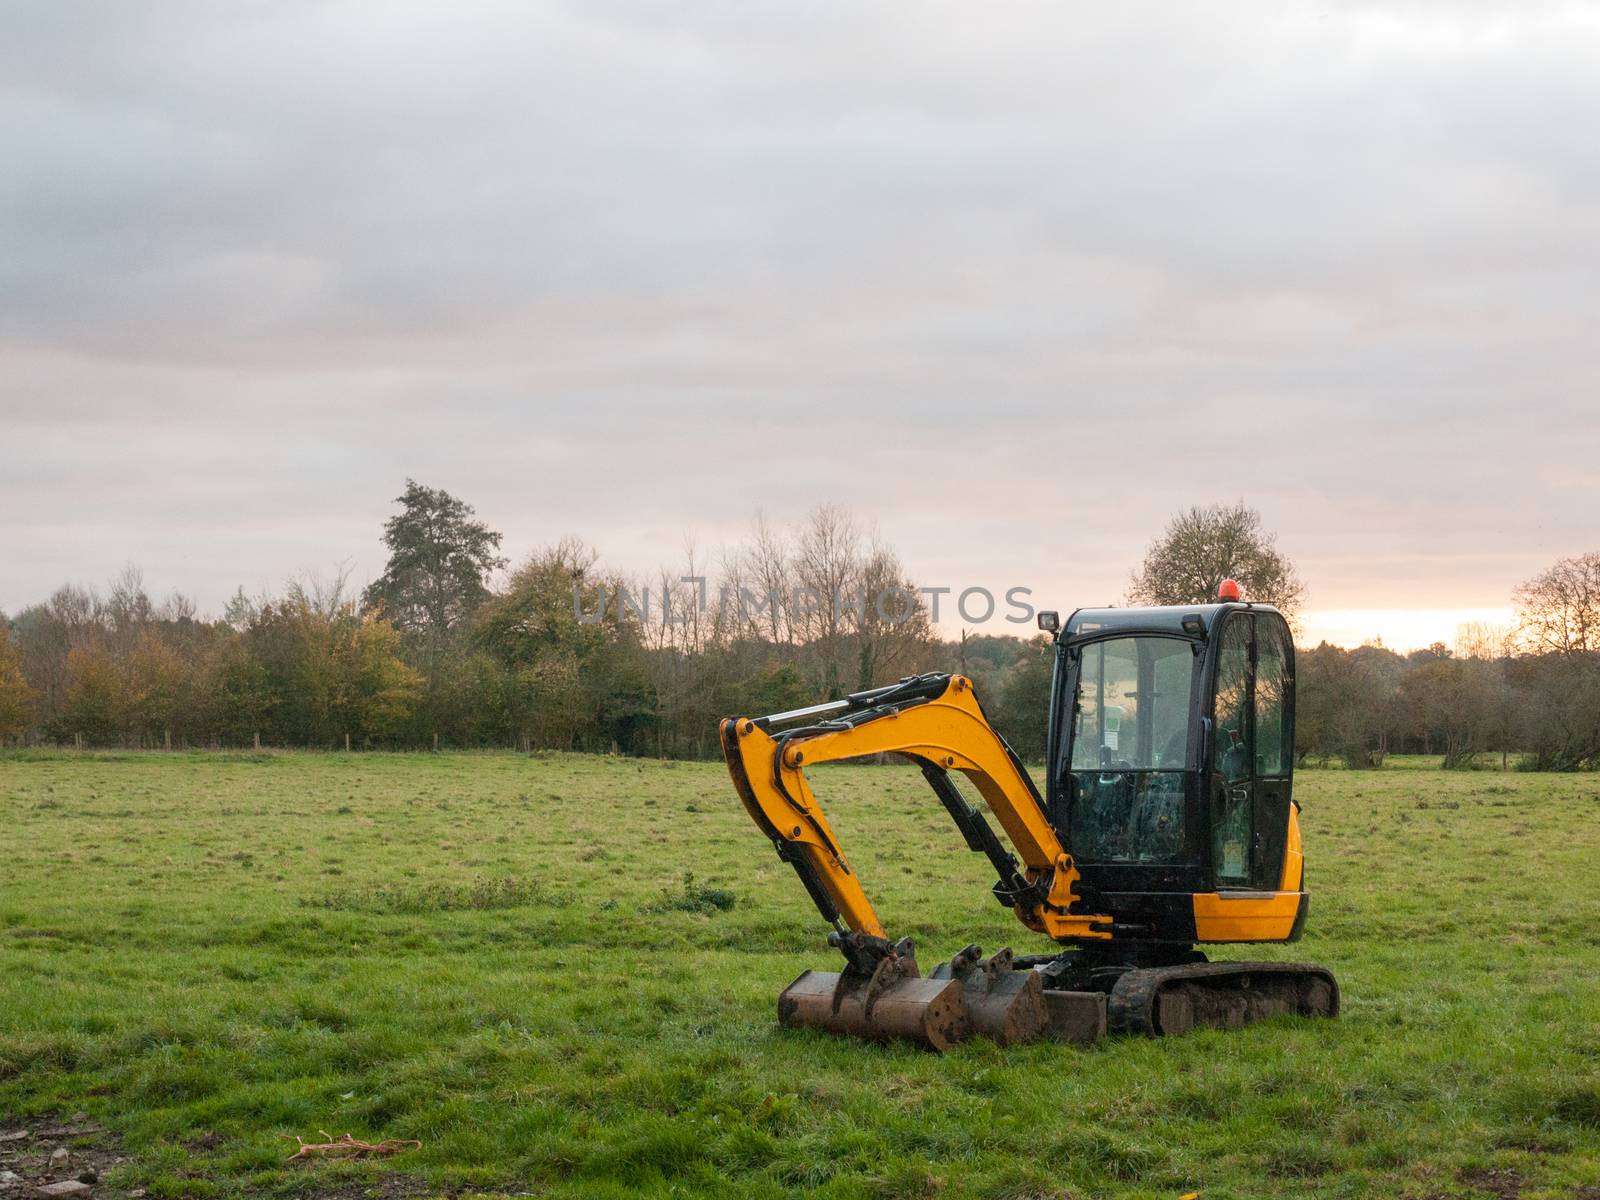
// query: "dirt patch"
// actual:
[[1502, 1182], [392, 1185], [42, 1151]]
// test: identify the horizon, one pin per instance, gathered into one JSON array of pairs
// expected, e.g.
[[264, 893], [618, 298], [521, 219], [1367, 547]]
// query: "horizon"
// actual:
[[1398, 629]]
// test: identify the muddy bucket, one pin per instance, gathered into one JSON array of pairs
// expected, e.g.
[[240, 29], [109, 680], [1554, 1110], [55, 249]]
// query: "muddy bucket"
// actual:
[[1003, 1004], [929, 1012]]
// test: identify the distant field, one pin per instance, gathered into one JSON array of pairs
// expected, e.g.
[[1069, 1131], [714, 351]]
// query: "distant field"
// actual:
[[505, 957]]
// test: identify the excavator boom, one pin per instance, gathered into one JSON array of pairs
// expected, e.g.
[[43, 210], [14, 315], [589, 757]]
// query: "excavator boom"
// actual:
[[937, 723]]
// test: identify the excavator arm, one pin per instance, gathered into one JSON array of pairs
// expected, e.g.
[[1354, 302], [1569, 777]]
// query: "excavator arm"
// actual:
[[936, 721]]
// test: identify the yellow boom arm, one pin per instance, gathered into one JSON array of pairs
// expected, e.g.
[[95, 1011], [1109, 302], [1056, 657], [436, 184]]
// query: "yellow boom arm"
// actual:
[[936, 721]]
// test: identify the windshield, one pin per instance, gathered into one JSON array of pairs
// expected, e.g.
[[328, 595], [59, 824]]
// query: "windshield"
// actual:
[[1133, 703]]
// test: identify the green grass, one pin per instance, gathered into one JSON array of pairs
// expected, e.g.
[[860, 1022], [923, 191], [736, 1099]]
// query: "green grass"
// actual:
[[559, 973]]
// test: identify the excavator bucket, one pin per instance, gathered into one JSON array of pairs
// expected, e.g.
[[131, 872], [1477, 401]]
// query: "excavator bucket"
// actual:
[[928, 1012], [1003, 1004], [891, 1003], [969, 996]]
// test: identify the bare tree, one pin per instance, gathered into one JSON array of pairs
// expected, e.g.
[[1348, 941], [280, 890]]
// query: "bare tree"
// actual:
[[1482, 641], [1206, 544], [324, 595], [827, 572], [1559, 609], [888, 620], [768, 581]]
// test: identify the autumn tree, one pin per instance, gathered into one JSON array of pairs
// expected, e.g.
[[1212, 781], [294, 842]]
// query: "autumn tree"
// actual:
[[16, 697], [96, 699], [328, 671], [1206, 544], [376, 691], [157, 681]]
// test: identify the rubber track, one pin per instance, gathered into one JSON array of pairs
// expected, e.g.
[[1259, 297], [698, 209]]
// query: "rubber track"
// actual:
[[1131, 1007]]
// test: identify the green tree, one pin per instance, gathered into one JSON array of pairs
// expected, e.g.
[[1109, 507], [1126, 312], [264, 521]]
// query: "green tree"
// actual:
[[440, 560], [243, 688], [576, 666], [1021, 712], [1206, 544], [777, 687]]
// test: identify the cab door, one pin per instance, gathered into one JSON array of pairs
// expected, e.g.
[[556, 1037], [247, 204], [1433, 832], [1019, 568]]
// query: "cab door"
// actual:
[[1232, 777], [1272, 706], [1252, 759]]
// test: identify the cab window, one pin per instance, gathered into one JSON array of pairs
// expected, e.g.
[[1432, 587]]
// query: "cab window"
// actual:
[[1232, 808], [1128, 785], [1274, 734], [1132, 709]]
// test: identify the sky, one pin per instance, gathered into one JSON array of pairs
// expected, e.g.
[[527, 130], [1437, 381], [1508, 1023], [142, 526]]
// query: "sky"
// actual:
[[1014, 283]]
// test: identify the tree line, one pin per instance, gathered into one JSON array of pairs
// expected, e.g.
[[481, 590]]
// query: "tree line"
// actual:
[[439, 651], [449, 649], [1531, 691]]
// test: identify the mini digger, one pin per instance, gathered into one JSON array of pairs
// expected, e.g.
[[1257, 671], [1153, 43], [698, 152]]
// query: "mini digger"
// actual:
[[1168, 821]]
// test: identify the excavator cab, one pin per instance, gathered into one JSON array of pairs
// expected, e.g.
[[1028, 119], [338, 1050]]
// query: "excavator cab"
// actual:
[[1172, 762], [1167, 821]]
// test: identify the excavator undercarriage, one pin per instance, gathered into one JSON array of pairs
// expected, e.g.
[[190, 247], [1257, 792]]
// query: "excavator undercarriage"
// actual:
[[1179, 847]]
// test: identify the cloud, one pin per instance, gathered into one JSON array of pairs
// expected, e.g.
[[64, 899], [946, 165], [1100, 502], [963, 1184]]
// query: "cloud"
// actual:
[[1018, 283]]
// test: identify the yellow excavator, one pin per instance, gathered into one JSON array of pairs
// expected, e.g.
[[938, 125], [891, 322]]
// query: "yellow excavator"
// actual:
[[1168, 820]]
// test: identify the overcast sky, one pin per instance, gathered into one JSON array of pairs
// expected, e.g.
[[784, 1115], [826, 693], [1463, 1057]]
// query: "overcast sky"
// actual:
[[1014, 282]]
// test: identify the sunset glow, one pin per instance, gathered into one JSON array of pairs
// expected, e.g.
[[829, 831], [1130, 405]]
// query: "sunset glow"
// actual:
[[1399, 629]]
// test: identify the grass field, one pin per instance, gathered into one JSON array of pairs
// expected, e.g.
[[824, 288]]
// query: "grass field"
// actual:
[[507, 958]]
